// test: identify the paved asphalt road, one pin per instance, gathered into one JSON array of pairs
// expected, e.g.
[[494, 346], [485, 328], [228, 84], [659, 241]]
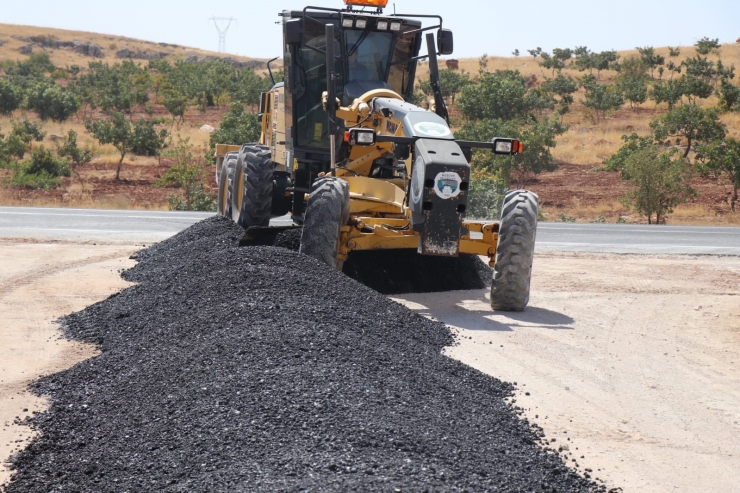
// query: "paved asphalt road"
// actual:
[[151, 226]]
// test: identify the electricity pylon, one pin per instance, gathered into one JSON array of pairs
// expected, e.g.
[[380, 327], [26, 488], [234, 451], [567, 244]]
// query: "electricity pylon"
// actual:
[[222, 26]]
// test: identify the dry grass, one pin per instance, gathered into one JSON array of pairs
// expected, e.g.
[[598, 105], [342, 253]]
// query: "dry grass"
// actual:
[[110, 44]]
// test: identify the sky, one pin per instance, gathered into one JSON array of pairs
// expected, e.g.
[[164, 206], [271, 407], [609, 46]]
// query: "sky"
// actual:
[[481, 26]]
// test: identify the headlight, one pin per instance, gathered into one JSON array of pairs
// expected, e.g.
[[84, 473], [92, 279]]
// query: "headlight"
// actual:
[[382, 25], [503, 147], [348, 22], [360, 137], [361, 23], [395, 26]]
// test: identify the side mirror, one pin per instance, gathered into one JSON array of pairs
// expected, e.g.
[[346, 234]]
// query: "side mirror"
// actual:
[[445, 43], [294, 32]]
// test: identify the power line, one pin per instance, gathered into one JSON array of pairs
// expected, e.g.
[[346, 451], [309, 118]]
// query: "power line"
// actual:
[[222, 26]]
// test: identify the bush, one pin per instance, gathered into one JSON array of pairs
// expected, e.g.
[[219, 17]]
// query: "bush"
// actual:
[[31, 181], [10, 97], [658, 182], [485, 197], [187, 174], [197, 199], [43, 161], [237, 127]]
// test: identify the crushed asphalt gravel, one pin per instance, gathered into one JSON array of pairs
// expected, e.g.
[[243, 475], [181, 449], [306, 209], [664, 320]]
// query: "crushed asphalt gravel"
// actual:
[[259, 369]]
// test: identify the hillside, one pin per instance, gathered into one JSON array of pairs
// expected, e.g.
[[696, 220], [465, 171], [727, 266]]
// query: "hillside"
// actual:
[[63, 51], [578, 189]]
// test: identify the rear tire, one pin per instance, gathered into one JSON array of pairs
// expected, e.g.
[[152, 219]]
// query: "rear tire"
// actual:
[[253, 182], [327, 211], [224, 186], [512, 271]]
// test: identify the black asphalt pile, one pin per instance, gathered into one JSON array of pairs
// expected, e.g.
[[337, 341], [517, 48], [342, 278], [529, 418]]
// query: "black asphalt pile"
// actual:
[[259, 369]]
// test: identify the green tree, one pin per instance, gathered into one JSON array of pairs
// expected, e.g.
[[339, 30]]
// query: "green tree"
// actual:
[[651, 58], [556, 62], [114, 88], [673, 52], [187, 174], [588, 60], [498, 95], [19, 141], [632, 144], [601, 99], [451, 82], [176, 103], [247, 86], [75, 155], [237, 127], [52, 102], [147, 140], [10, 97], [562, 86], [632, 80], [689, 122], [115, 130], [658, 183], [706, 46], [729, 96], [721, 158]]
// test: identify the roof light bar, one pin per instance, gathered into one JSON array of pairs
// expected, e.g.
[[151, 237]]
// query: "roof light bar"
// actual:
[[382, 25], [367, 3], [395, 26]]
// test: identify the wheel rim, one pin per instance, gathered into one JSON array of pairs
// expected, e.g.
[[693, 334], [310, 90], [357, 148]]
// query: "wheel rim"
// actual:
[[239, 190], [224, 196]]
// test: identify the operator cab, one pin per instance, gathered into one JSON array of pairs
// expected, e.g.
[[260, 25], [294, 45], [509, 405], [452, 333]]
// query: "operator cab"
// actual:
[[372, 51]]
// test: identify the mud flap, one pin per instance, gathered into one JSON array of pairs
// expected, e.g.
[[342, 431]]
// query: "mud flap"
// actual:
[[439, 196]]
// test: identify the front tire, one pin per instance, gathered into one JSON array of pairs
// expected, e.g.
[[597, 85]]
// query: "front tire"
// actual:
[[327, 211], [512, 271]]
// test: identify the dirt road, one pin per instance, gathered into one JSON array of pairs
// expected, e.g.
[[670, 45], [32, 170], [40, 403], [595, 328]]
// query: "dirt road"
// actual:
[[40, 282], [632, 363], [629, 361]]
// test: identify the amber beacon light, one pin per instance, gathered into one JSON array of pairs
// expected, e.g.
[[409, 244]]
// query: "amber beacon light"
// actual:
[[367, 3]]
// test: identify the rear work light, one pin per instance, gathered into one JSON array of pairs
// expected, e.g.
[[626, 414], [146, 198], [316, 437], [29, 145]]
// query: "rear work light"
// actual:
[[367, 3]]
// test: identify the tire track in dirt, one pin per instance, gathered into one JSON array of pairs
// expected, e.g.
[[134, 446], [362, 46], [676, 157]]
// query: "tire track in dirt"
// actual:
[[10, 284]]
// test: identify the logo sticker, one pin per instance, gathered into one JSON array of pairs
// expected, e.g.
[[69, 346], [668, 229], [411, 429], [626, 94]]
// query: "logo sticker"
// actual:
[[432, 129], [447, 185]]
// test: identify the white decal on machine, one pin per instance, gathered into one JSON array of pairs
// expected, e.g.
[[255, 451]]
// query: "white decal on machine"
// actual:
[[447, 184], [432, 129]]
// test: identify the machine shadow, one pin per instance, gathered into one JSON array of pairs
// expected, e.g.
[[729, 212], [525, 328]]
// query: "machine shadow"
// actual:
[[470, 310]]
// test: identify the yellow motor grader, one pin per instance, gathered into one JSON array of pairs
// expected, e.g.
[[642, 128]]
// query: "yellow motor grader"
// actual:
[[347, 157]]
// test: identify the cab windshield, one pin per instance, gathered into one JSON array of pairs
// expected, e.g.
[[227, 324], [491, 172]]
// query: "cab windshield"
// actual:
[[368, 54]]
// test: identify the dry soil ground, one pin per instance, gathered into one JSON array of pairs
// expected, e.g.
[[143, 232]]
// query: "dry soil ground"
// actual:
[[38, 283], [629, 361]]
